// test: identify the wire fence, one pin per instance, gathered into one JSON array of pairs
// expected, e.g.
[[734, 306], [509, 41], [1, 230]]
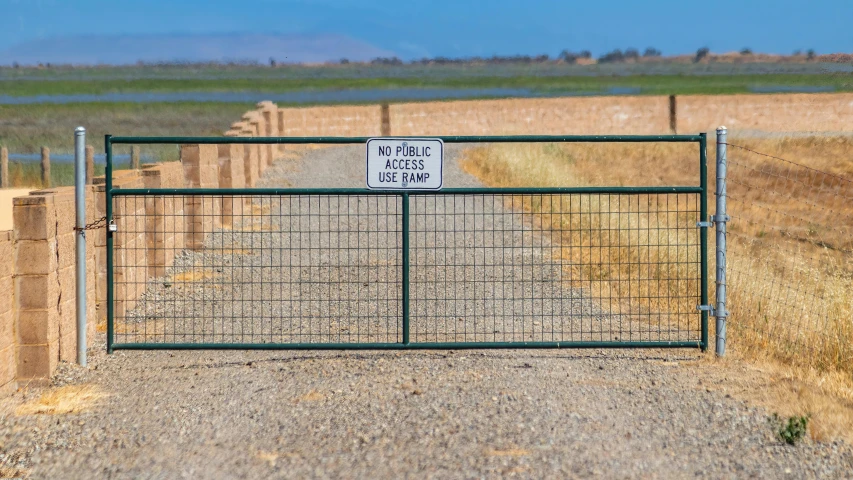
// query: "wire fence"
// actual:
[[338, 270], [790, 259]]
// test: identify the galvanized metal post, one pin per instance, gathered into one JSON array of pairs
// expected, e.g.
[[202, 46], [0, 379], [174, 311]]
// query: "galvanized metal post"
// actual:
[[720, 220], [405, 254], [108, 187], [80, 204]]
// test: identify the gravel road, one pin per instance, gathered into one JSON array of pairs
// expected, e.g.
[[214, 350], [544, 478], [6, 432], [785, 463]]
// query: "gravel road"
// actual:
[[421, 414]]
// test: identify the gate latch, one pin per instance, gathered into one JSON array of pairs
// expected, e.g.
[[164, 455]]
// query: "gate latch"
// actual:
[[706, 308]]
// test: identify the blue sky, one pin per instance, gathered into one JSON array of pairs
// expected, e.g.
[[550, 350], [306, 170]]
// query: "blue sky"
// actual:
[[414, 28]]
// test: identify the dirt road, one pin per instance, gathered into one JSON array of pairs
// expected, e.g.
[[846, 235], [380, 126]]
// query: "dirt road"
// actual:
[[424, 414]]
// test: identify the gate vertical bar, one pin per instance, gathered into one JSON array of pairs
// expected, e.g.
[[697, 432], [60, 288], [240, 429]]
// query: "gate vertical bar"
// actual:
[[405, 233], [108, 187], [720, 220], [80, 207], [703, 232]]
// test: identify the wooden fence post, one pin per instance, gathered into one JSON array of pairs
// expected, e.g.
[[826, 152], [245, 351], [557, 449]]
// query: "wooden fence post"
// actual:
[[673, 115], [385, 112], [90, 164], [134, 157], [4, 167], [45, 167]]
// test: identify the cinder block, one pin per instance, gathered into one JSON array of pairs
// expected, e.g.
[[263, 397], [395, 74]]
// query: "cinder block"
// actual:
[[8, 365], [67, 248], [33, 222], [68, 345], [7, 297], [7, 268], [37, 361], [7, 329], [67, 283], [38, 326], [35, 198], [36, 257], [36, 291], [152, 177]]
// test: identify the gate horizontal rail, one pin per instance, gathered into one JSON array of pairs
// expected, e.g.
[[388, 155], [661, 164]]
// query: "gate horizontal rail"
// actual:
[[413, 193], [446, 139], [351, 268]]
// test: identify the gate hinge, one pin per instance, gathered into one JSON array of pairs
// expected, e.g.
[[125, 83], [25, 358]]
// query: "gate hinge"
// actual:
[[706, 308], [711, 310], [712, 219]]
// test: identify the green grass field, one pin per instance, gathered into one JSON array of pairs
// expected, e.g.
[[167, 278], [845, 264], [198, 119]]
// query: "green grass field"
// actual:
[[26, 128], [647, 84]]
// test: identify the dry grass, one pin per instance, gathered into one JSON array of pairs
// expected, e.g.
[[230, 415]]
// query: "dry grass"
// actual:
[[656, 262], [63, 400], [506, 452], [582, 115], [312, 396], [194, 275], [790, 251], [826, 397], [148, 327]]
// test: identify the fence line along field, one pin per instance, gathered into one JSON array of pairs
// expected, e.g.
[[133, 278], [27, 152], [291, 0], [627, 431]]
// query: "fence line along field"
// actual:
[[790, 255]]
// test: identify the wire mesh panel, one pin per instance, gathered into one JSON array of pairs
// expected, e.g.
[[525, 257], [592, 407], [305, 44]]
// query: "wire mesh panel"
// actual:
[[790, 258], [587, 268], [206, 267], [298, 269]]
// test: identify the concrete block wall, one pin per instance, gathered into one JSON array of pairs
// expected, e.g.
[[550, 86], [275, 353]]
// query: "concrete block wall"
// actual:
[[269, 124], [254, 126], [44, 280], [231, 175], [338, 121], [201, 170], [8, 334], [164, 232], [129, 248], [37, 316], [251, 153]]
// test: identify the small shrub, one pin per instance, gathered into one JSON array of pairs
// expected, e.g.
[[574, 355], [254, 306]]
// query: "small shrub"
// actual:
[[791, 430], [701, 54]]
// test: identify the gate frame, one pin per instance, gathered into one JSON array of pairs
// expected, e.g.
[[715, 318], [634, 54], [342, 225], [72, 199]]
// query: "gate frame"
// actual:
[[703, 225]]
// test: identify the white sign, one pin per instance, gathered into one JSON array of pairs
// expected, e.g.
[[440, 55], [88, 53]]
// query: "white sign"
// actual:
[[405, 163]]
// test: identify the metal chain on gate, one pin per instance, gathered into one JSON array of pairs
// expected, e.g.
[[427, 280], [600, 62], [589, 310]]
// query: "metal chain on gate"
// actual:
[[99, 223]]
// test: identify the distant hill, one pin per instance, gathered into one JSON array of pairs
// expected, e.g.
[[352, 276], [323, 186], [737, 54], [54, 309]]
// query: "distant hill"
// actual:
[[128, 49]]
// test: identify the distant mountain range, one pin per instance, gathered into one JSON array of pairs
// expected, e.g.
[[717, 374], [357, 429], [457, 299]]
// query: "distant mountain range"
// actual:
[[129, 49]]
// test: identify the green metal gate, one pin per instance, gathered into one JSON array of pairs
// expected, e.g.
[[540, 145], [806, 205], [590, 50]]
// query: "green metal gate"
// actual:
[[343, 268]]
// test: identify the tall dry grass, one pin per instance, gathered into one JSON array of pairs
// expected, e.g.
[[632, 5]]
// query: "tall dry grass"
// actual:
[[612, 246], [790, 260]]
